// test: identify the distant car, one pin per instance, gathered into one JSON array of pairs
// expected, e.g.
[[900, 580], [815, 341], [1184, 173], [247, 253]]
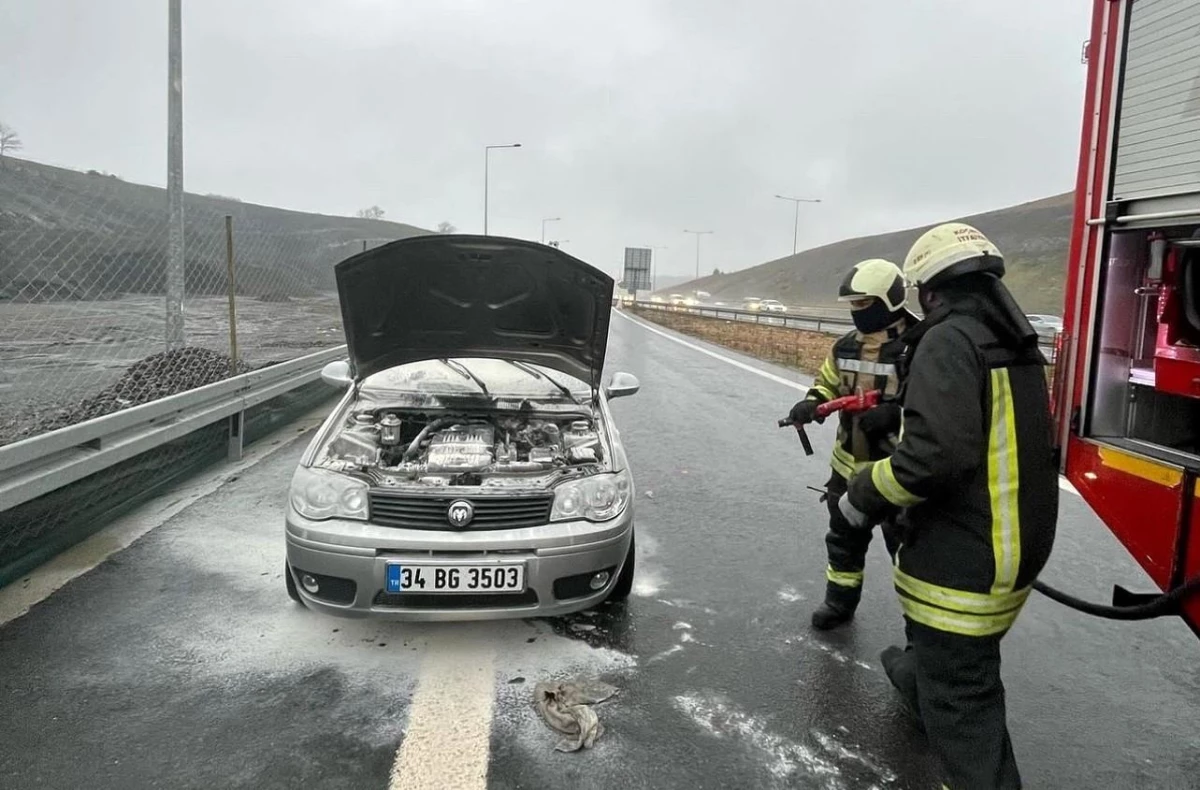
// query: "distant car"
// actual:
[[471, 469], [772, 306], [677, 299], [656, 299], [751, 302], [1045, 324]]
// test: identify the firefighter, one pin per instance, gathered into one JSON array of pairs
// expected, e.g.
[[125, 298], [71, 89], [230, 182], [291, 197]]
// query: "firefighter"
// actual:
[[975, 480], [864, 358]]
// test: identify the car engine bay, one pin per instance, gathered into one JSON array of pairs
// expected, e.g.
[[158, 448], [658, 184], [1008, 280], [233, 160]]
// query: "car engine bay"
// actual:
[[395, 447]]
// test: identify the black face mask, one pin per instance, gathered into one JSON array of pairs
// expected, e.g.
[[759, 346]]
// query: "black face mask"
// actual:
[[875, 318]]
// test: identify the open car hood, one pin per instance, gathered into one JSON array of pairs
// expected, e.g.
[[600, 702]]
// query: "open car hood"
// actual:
[[438, 296]]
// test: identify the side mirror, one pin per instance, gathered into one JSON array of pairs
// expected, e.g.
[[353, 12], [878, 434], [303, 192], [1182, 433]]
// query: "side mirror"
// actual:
[[337, 374], [621, 385]]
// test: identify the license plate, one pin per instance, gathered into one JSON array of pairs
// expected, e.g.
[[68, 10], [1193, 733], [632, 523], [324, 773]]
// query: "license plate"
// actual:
[[417, 578]]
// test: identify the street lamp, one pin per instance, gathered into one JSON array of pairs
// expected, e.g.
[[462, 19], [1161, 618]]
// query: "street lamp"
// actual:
[[487, 149], [796, 225], [698, 233], [548, 219]]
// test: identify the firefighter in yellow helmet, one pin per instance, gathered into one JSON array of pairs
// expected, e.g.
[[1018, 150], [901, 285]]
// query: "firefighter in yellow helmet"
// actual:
[[974, 480], [864, 358]]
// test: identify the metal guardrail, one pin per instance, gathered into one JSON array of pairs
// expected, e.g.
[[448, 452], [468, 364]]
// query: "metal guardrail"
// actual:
[[36, 466], [811, 323]]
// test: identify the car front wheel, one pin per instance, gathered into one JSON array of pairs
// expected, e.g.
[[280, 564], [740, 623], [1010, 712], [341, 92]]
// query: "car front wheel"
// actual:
[[624, 585]]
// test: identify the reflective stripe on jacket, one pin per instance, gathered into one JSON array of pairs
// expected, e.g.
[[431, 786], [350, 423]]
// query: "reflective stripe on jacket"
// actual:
[[860, 361]]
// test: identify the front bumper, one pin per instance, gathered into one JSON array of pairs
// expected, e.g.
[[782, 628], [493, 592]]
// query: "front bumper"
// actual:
[[559, 560]]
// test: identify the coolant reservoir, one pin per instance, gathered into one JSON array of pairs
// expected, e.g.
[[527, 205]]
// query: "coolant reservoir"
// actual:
[[389, 430]]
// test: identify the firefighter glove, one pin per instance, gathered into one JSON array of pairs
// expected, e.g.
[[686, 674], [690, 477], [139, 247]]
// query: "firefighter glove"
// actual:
[[880, 421], [853, 515], [805, 411]]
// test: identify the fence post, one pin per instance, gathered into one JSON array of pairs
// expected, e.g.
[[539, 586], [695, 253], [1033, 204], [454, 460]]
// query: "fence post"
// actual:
[[237, 420], [233, 349]]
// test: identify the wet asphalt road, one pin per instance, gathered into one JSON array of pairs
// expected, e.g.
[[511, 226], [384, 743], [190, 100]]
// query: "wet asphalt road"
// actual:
[[181, 662]]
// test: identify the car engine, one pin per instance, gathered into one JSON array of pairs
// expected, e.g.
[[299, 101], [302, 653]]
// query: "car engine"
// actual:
[[461, 450]]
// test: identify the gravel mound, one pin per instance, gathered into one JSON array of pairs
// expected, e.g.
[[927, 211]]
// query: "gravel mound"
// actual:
[[154, 377]]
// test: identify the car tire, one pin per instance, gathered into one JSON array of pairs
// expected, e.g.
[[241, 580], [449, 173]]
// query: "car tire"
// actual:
[[624, 585], [292, 592]]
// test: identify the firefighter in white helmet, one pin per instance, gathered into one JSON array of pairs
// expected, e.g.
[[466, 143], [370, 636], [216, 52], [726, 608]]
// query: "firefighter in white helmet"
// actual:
[[974, 479], [864, 358]]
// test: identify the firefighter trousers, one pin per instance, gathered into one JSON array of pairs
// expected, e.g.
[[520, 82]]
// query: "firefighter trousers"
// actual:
[[952, 683], [847, 550]]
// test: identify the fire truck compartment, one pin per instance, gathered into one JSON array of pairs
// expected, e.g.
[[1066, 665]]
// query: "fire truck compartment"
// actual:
[[1146, 386]]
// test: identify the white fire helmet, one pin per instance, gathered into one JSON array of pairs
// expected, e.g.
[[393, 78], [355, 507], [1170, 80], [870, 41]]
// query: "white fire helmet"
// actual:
[[951, 250]]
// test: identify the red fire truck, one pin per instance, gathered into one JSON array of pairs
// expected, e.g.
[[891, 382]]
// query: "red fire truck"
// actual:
[[1127, 379]]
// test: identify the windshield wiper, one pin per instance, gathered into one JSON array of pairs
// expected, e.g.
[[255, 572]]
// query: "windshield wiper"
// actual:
[[539, 374], [463, 370]]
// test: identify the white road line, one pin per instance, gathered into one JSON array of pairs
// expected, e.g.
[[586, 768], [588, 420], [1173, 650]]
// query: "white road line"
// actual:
[[749, 368], [1063, 483], [20, 596], [448, 738]]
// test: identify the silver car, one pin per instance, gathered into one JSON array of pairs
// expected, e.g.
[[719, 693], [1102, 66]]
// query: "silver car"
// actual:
[[472, 469]]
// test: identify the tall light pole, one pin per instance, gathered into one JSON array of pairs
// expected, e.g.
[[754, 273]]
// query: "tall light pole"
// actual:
[[487, 149], [548, 219], [796, 224], [175, 254], [698, 233]]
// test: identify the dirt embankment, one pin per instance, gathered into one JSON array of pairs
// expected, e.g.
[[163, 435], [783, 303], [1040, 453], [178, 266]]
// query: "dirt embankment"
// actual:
[[794, 348]]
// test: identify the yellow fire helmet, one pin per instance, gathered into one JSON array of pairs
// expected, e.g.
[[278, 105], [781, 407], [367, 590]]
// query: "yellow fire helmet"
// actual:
[[877, 278]]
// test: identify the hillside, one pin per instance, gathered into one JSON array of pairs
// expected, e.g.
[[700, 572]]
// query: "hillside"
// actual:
[[1033, 237], [69, 235]]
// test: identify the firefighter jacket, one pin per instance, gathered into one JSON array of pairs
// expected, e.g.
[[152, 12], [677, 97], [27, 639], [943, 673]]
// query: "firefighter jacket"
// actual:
[[974, 473], [863, 361]]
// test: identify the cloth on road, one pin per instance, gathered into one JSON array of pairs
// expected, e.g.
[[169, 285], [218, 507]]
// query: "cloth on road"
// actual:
[[565, 707]]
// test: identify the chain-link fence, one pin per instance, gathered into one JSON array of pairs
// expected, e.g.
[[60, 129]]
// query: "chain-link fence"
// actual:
[[84, 325], [83, 281]]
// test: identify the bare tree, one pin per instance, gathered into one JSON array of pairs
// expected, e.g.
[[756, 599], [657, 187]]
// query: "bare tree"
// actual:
[[9, 141], [446, 227], [374, 212]]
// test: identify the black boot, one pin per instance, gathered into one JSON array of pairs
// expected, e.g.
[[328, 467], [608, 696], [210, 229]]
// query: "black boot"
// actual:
[[897, 665], [838, 608], [829, 615]]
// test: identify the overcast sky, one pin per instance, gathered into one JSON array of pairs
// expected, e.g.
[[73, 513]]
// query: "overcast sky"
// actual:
[[637, 119]]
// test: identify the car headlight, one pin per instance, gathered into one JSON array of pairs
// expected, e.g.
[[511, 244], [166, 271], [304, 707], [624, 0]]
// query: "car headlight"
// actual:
[[596, 498], [320, 494]]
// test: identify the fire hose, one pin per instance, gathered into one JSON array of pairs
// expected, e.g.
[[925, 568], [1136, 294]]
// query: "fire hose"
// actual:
[[1157, 606]]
